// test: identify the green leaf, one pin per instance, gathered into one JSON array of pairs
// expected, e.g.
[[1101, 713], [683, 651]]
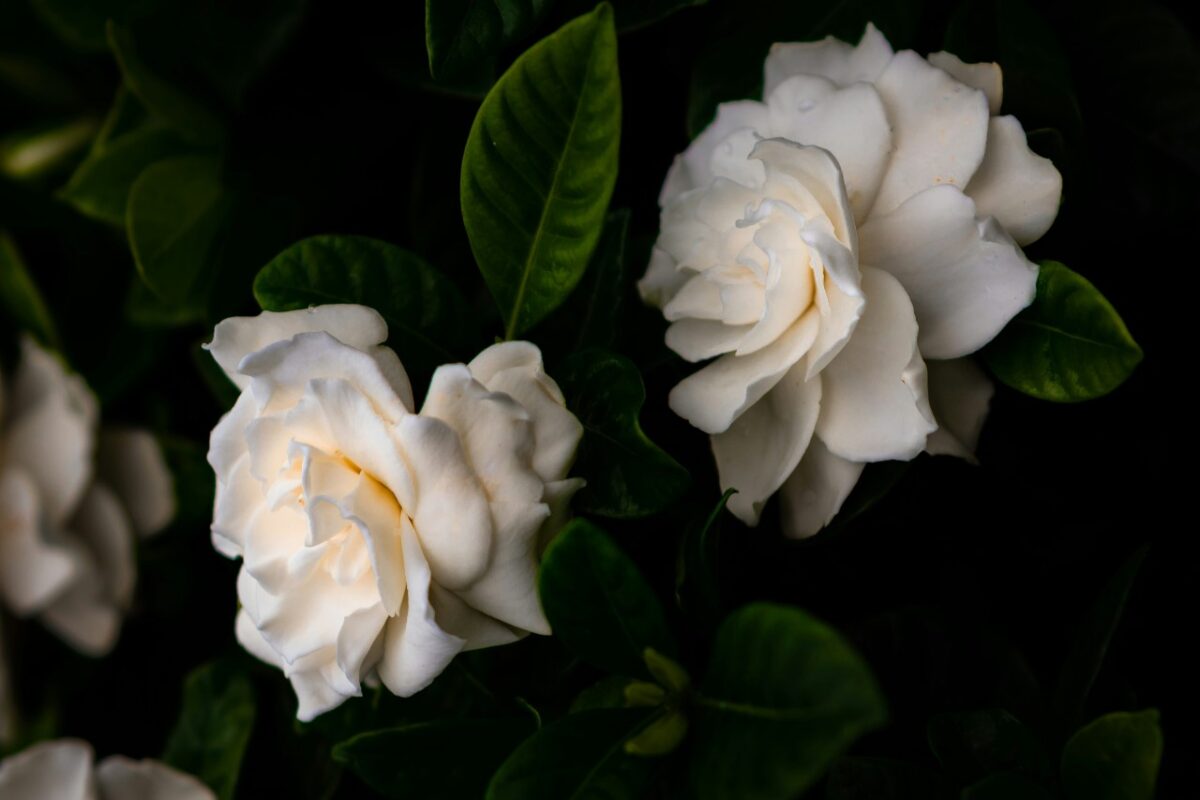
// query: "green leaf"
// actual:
[[425, 314], [855, 778], [597, 602], [449, 758], [1091, 641], [579, 756], [20, 297], [1006, 786], [590, 317], [972, 744], [784, 696], [464, 37], [190, 118], [627, 474], [1069, 345], [1115, 757], [176, 209], [540, 165], [129, 141], [214, 727]]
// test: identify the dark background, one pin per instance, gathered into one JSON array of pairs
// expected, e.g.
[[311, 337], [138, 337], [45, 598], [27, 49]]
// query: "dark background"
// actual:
[[963, 585]]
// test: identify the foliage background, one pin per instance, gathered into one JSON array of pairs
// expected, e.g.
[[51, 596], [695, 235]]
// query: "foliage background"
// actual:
[[962, 586]]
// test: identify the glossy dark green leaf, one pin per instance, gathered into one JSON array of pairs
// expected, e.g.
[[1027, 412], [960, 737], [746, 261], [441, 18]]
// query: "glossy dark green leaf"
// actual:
[[540, 165], [214, 727], [784, 696], [175, 211], [190, 118], [627, 474], [1007, 786], [597, 602], [972, 744], [128, 143], [1116, 757], [1069, 345], [20, 297], [857, 778], [425, 314], [591, 315], [579, 756], [697, 587], [1090, 645], [463, 37], [452, 759]]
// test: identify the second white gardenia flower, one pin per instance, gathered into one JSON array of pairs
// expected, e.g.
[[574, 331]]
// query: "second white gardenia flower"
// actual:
[[836, 250], [63, 770], [72, 499], [379, 542]]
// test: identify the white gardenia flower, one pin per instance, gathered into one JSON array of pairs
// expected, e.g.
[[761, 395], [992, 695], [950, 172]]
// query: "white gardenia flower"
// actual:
[[72, 498], [378, 541], [62, 770], [837, 250]]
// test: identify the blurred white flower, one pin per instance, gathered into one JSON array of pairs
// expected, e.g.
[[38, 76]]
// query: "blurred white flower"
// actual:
[[837, 249], [62, 770], [376, 541], [71, 500]]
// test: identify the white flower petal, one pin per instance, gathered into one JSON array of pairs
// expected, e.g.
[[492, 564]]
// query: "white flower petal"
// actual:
[[51, 431], [360, 435], [850, 123], [415, 650], [985, 76], [450, 511], [84, 616], [816, 170], [959, 394], [237, 337], [508, 589], [966, 278], [939, 129], [280, 373], [122, 778], [837, 325], [33, 569], [515, 368], [702, 339], [693, 167], [763, 446], [131, 463], [662, 279], [102, 525], [713, 397], [815, 491], [360, 642], [57, 770], [1015, 185], [829, 58], [875, 406], [474, 627]]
